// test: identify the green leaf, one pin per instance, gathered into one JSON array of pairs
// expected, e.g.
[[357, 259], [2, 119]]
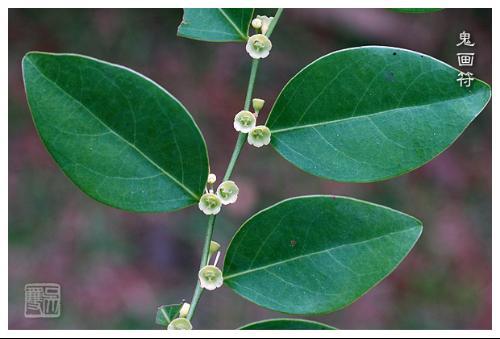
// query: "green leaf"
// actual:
[[216, 24], [317, 254], [167, 313], [416, 10], [372, 113], [117, 135], [286, 324]]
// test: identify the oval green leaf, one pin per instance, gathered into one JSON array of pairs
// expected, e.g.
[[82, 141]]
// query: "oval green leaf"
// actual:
[[372, 113], [167, 313], [317, 254], [216, 24], [117, 135], [286, 324]]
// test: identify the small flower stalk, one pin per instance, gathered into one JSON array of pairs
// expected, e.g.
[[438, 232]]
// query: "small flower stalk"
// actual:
[[184, 310], [258, 46], [259, 136], [210, 276]]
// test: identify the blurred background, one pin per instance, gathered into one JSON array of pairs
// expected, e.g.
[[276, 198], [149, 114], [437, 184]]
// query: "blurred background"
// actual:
[[115, 267]]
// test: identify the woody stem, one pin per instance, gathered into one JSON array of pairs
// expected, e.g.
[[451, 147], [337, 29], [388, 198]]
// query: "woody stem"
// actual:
[[240, 142]]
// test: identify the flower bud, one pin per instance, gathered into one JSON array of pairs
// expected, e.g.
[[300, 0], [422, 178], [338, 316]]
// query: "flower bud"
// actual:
[[184, 310], [180, 324], [211, 178], [266, 21], [257, 104], [259, 46], [214, 247], [244, 121], [228, 192], [210, 204], [210, 277], [259, 136], [256, 23]]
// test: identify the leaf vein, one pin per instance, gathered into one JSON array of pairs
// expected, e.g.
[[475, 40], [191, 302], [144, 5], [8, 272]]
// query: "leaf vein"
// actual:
[[234, 275]]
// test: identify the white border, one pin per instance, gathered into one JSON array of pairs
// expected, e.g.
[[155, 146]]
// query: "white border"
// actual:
[[257, 4], [250, 3]]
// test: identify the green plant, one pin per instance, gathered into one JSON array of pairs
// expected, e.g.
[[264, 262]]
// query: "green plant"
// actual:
[[356, 115]]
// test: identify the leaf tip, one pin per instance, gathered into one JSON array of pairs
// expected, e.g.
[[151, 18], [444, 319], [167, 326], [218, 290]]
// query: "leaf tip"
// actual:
[[26, 58]]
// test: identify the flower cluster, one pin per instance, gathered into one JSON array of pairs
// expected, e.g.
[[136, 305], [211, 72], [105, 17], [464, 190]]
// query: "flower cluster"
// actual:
[[246, 121], [259, 45], [210, 277], [227, 193]]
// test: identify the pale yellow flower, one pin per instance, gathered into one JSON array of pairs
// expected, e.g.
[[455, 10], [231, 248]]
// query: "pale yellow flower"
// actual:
[[180, 324], [228, 192], [210, 204], [259, 136], [244, 121], [210, 277], [259, 46]]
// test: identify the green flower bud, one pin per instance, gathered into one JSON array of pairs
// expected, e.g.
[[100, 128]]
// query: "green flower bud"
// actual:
[[214, 247], [184, 310], [257, 104], [211, 178], [256, 23]]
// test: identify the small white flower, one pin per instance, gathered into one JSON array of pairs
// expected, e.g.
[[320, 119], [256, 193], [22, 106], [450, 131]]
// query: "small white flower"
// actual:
[[228, 192], [211, 178], [210, 277], [256, 23], [259, 46], [266, 21], [257, 104], [210, 204], [184, 310], [214, 247], [180, 324], [244, 121], [259, 136]]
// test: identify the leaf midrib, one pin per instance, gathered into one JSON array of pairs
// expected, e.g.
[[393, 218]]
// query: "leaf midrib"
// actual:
[[322, 123], [170, 176], [232, 23], [165, 315], [231, 276]]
